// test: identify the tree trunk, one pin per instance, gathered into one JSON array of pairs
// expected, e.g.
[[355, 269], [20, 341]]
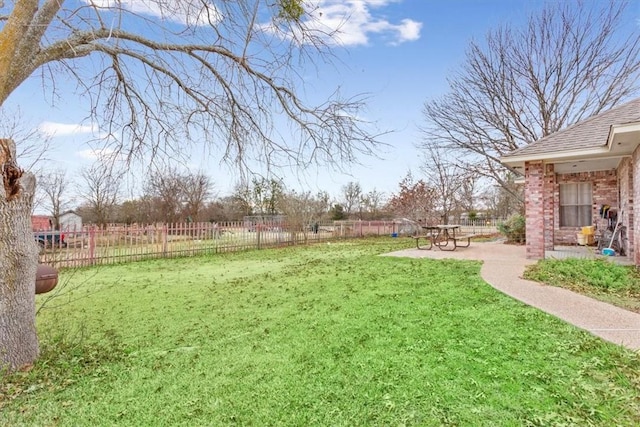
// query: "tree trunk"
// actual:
[[18, 264]]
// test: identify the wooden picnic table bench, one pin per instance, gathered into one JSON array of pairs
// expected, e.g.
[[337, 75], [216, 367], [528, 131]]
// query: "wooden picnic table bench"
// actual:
[[460, 237], [431, 233], [426, 237], [442, 235], [449, 235]]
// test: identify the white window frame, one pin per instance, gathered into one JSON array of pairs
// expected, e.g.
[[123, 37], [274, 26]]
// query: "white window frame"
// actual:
[[576, 204]]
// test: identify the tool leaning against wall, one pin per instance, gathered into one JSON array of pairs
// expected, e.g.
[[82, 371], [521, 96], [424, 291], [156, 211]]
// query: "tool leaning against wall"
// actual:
[[615, 241]]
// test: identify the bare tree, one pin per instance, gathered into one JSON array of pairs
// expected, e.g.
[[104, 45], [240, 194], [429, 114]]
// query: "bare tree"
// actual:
[[157, 74], [196, 190], [31, 144], [54, 187], [265, 194], [240, 201], [303, 211], [175, 196], [569, 62], [18, 263], [100, 189], [165, 188], [217, 211], [135, 210], [223, 69], [352, 198], [468, 194], [499, 202], [229, 208], [372, 203], [324, 204], [140, 210], [452, 186]]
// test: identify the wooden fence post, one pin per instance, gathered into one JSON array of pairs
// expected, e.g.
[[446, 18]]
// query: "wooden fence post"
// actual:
[[100, 245], [165, 238], [258, 234], [92, 245]]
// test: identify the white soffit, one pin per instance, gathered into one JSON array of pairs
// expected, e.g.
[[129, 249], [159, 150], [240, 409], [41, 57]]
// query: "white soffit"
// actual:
[[587, 165], [624, 139]]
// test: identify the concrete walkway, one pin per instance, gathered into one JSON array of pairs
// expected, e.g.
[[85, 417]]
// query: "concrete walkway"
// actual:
[[503, 266]]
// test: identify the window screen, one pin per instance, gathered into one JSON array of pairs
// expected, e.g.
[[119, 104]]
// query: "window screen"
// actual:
[[575, 204]]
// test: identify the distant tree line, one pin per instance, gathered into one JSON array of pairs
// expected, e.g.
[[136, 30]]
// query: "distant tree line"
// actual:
[[170, 195]]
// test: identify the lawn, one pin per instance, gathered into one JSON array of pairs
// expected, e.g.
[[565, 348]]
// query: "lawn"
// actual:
[[329, 334], [597, 278]]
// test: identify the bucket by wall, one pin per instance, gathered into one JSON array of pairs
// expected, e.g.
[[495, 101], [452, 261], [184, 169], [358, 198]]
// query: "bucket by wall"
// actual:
[[394, 234], [582, 239], [588, 230]]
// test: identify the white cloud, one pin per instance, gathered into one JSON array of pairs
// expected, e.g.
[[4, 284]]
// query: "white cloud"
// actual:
[[354, 22], [409, 30], [63, 129], [179, 11], [96, 154]]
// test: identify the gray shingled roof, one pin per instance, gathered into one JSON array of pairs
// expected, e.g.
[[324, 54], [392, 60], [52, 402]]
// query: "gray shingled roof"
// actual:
[[589, 133]]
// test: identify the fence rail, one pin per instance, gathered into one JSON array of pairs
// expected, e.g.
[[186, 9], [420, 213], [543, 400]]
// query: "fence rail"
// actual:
[[91, 245]]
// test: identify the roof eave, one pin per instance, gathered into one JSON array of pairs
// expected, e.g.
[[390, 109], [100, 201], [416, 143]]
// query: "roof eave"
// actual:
[[557, 156], [585, 153]]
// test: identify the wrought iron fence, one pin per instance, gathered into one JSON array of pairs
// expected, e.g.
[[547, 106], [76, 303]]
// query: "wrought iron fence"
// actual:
[[117, 243]]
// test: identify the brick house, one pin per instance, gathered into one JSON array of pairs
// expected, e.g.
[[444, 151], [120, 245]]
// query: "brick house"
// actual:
[[571, 176], [40, 222]]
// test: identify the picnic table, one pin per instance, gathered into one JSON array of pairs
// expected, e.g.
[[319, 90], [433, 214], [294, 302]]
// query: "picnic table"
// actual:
[[430, 234], [445, 237]]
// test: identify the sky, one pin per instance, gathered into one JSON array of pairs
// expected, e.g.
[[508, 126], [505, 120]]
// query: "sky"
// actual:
[[397, 52]]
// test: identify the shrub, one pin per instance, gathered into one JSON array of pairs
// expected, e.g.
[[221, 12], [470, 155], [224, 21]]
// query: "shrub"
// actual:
[[513, 229]]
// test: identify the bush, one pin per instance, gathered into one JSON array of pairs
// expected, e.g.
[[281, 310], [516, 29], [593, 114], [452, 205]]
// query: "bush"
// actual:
[[513, 229]]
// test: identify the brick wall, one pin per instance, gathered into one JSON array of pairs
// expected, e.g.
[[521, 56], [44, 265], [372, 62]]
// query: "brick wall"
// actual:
[[40, 222], [604, 191], [549, 204], [542, 201], [534, 207], [633, 232], [625, 179]]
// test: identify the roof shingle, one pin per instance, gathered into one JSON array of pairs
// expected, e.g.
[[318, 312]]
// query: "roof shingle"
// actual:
[[589, 133]]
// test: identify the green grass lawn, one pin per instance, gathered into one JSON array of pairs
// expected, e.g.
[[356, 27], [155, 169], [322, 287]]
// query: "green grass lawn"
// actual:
[[597, 278], [330, 334]]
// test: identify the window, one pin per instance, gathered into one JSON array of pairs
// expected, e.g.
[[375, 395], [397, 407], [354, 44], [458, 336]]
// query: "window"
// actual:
[[575, 204]]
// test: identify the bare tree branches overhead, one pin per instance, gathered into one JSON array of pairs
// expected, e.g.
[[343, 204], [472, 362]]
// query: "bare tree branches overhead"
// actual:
[[31, 144], [572, 60], [160, 75]]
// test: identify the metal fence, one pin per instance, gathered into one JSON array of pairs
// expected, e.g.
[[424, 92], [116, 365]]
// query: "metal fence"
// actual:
[[92, 245], [480, 226]]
